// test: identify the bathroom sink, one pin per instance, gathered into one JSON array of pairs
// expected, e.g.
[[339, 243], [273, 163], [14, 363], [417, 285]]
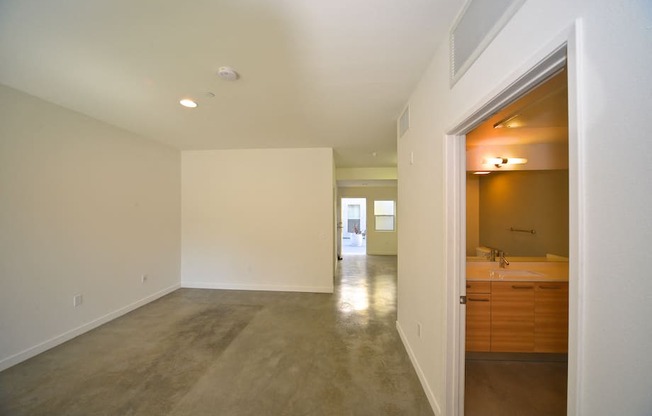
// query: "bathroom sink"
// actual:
[[501, 274]]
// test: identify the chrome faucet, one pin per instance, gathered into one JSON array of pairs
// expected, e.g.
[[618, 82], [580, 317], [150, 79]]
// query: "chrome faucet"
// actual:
[[502, 260], [492, 254]]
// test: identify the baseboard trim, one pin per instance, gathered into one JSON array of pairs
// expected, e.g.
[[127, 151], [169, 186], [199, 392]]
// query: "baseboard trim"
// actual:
[[264, 288], [422, 378], [75, 332]]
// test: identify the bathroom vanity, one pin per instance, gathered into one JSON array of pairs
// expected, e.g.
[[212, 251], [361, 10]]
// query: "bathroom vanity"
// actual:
[[520, 308]]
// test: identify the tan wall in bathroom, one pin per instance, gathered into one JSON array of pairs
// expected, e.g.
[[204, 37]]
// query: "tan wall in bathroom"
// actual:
[[472, 213], [525, 200]]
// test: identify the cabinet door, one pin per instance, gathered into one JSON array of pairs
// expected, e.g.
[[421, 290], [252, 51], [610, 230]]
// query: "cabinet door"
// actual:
[[551, 317], [478, 287], [478, 322], [512, 317]]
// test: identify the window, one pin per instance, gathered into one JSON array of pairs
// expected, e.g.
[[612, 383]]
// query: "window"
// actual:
[[384, 211], [353, 222]]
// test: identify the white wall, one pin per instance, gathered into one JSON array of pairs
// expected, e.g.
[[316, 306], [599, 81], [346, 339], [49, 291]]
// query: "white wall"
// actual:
[[615, 89], [258, 219], [85, 208], [359, 174]]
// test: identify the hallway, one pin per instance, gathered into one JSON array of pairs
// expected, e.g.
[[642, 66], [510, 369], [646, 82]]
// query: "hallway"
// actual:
[[218, 352]]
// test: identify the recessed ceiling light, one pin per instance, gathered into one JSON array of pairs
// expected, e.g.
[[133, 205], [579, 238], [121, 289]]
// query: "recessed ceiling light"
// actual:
[[187, 102], [227, 73]]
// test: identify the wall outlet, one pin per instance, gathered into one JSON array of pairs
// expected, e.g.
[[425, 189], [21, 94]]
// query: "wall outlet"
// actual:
[[77, 300], [143, 278], [419, 329]]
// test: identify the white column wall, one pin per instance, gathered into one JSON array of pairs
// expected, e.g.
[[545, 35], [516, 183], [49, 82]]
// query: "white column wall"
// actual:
[[258, 219]]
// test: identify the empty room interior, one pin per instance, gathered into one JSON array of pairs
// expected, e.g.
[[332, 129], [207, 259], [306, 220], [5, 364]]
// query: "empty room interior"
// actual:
[[325, 208]]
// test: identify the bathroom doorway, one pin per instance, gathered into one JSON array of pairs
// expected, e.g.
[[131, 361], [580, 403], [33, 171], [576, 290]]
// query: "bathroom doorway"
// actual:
[[517, 253], [560, 54]]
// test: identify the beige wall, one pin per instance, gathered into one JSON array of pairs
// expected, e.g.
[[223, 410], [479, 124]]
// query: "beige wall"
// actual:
[[535, 200], [387, 173], [378, 242], [258, 219], [472, 214], [85, 208]]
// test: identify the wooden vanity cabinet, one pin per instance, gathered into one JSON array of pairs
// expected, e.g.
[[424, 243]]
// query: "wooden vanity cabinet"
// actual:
[[551, 317], [517, 316], [478, 316], [512, 316]]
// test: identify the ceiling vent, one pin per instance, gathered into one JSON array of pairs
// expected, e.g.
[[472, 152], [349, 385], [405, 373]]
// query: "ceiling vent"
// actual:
[[476, 26], [404, 122]]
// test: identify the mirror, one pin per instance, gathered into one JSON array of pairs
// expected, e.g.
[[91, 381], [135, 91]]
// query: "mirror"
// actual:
[[521, 209]]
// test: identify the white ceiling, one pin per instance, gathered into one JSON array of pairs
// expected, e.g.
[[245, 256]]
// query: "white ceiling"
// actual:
[[314, 73]]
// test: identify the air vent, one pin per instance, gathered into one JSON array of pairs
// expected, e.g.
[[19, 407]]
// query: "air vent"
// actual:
[[476, 26], [404, 122]]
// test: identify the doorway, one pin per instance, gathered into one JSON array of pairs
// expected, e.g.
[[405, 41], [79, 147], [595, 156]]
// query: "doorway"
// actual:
[[354, 226], [561, 53], [516, 222]]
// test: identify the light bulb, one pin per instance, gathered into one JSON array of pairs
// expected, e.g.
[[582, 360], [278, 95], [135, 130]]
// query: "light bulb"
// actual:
[[186, 102]]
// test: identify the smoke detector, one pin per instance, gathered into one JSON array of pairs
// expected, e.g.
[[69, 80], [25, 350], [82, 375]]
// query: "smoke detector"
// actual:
[[227, 73]]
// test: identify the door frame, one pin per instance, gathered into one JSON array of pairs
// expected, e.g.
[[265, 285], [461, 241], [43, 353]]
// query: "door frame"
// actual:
[[563, 50]]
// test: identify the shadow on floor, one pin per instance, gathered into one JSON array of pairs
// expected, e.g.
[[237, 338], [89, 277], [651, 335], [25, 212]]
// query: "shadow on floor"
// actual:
[[510, 387]]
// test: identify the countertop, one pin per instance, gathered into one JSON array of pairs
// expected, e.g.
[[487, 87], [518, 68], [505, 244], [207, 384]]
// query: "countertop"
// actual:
[[535, 271]]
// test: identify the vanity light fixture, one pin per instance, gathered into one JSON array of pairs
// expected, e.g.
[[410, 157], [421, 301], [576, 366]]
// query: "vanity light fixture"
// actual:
[[187, 102], [500, 161]]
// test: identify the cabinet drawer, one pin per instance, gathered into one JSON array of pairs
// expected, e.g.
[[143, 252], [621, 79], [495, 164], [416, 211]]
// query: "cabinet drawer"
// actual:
[[478, 287], [478, 322]]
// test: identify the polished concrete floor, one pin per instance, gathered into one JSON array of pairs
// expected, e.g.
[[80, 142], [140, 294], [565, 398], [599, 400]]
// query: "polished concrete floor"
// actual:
[[505, 386], [349, 249], [232, 353]]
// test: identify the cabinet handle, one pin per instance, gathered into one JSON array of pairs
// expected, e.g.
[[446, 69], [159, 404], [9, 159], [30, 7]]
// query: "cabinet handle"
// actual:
[[477, 300], [521, 287], [550, 287]]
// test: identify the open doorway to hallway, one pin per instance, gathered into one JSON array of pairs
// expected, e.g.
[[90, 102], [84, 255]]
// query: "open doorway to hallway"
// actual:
[[354, 226], [378, 220]]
